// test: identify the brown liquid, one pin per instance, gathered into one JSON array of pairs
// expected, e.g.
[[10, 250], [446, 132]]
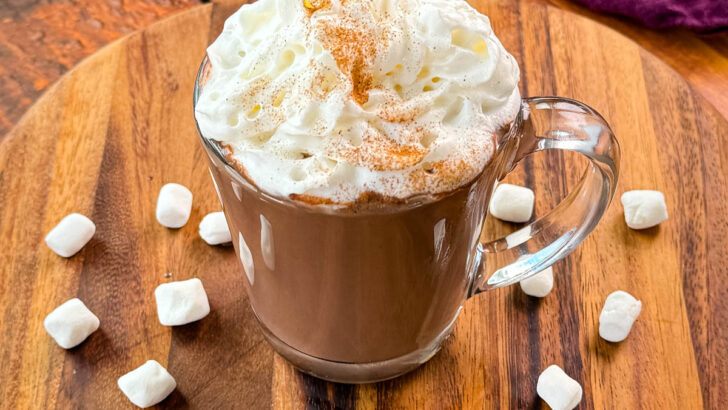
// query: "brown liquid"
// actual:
[[359, 284]]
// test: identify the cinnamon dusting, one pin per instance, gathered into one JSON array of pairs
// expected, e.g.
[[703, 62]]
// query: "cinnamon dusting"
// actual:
[[380, 153], [403, 111], [352, 41]]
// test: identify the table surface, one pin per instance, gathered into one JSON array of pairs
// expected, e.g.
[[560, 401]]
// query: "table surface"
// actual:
[[39, 41], [672, 140]]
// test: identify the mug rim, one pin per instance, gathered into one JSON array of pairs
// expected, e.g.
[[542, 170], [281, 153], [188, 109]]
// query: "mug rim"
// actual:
[[410, 202]]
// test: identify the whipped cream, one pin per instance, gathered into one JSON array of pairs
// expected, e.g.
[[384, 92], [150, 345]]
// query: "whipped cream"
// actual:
[[332, 100]]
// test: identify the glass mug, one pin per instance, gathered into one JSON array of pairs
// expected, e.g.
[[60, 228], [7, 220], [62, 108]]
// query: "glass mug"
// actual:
[[364, 295]]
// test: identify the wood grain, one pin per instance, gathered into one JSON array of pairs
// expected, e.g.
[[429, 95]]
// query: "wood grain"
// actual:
[[41, 40], [701, 60], [105, 138]]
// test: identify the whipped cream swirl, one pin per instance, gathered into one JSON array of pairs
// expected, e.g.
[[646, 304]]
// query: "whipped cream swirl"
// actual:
[[332, 100]]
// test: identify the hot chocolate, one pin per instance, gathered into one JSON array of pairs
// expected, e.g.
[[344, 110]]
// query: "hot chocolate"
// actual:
[[351, 144]]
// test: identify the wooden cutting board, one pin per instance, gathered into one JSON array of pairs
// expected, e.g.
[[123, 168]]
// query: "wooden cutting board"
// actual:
[[106, 137]]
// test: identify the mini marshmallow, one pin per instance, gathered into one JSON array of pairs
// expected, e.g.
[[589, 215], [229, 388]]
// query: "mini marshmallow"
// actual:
[[644, 209], [71, 323], [174, 205], [557, 389], [214, 229], [147, 385], [618, 315], [70, 235], [512, 203], [518, 237], [179, 303], [540, 284]]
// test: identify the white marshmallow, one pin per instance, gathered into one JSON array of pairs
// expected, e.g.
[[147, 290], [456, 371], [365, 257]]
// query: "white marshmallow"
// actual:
[[518, 237], [618, 315], [214, 229], [557, 389], [147, 385], [644, 209], [512, 203], [71, 323], [179, 303], [70, 235], [174, 205], [540, 284]]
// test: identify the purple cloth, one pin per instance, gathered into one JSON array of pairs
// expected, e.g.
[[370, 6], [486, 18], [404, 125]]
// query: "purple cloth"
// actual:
[[706, 16]]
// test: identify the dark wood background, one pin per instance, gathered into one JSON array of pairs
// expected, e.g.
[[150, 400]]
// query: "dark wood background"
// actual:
[[42, 39], [99, 142]]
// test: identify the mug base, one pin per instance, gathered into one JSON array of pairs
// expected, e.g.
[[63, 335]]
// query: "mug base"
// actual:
[[356, 373]]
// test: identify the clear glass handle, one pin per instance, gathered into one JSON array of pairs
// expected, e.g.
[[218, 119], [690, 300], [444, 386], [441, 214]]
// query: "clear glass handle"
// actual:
[[552, 123]]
